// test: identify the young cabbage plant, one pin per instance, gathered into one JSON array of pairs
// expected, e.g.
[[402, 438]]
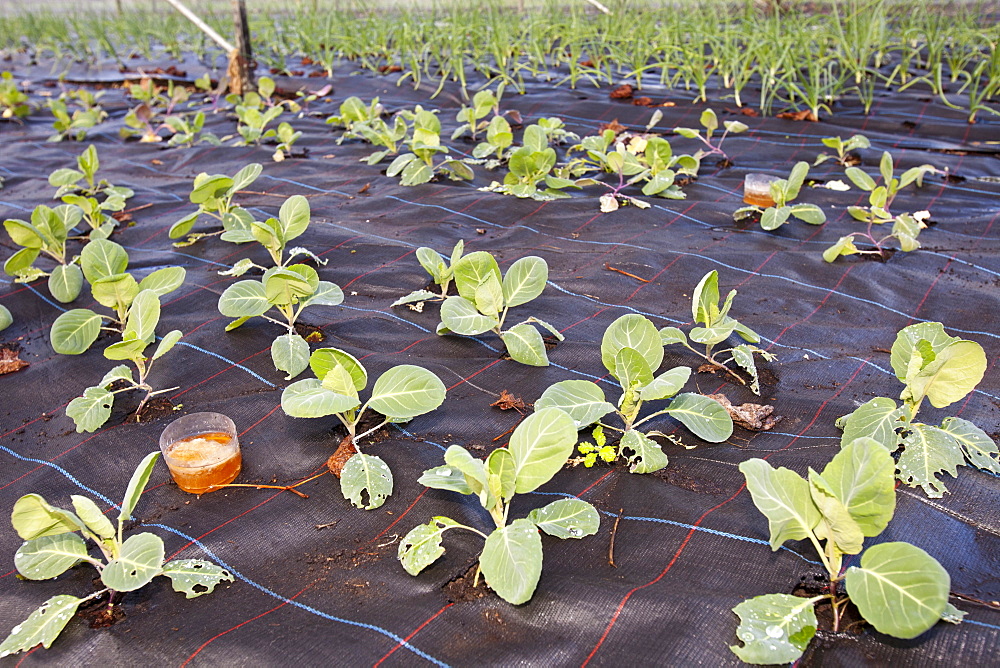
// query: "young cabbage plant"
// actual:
[[473, 118], [188, 131], [93, 408], [379, 133], [83, 181], [898, 588], [76, 125], [484, 298], [944, 370], [104, 264], [418, 166], [511, 560], [499, 137], [55, 540], [46, 234], [530, 165], [710, 122], [844, 149], [214, 197], [784, 191], [13, 101], [275, 233], [632, 352], [400, 394], [146, 119], [289, 290], [905, 227], [716, 327], [441, 269], [95, 213], [285, 136], [353, 111]]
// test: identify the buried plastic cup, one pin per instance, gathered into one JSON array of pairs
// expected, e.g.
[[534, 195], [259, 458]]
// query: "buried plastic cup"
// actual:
[[757, 189], [202, 451]]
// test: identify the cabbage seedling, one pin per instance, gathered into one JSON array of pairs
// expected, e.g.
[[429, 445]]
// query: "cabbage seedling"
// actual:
[[91, 410], [441, 269], [214, 197], [13, 102], [511, 560], [843, 149], [529, 165], [104, 265], [400, 394], [898, 588], [631, 351], [275, 233], [783, 191], [53, 544], [289, 290], [484, 298], [76, 125], [69, 180], [418, 165], [905, 227], [710, 122], [46, 234], [717, 326], [942, 369]]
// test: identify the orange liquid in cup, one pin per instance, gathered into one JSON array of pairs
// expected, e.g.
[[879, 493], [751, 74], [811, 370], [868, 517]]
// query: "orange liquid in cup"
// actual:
[[758, 199], [201, 463]]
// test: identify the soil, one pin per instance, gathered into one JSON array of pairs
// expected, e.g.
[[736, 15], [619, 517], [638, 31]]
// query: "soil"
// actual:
[[767, 377], [674, 475], [155, 409], [310, 333], [460, 588], [886, 255], [97, 612]]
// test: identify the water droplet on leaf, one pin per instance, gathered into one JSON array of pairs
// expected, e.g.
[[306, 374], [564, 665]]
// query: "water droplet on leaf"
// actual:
[[774, 631]]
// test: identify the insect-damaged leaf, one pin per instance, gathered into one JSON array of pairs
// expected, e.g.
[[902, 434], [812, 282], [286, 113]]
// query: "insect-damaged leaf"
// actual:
[[140, 560], [512, 561], [421, 547], [366, 475], [42, 626], [878, 419], [900, 589], [643, 453], [195, 577], [92, 409], [928, 452], [979, 448], [775, 628]]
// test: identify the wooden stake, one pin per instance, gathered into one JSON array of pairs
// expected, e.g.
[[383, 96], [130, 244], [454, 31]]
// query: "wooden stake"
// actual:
[[240, 69]]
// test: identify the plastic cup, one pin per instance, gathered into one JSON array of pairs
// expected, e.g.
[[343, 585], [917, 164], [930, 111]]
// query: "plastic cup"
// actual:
[[757, 189], [202, 451]]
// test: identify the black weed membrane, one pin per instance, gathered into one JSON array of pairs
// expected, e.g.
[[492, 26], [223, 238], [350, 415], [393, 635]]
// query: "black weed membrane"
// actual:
[[317, 581]]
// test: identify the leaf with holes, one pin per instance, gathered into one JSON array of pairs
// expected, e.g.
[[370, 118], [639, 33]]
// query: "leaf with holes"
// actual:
[[878, 419], [140, 560], [92, 409], [365, 475], [42, 626], [643, 453], [927, 453], [195, 577], [979, 448], [775, 628], [421, 547]]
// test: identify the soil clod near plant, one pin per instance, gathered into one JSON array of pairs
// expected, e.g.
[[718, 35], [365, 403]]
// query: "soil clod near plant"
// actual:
[[460, 589], [153, 410], [338, 459]]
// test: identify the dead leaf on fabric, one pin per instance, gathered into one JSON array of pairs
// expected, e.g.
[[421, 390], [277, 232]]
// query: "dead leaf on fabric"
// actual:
[[754, 417]]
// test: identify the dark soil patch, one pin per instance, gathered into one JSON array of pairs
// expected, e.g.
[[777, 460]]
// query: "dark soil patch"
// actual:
[[310, 333], [155, 409], [460, 588], [768, 378], [884, 257], [99, 614], [673, 475]]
